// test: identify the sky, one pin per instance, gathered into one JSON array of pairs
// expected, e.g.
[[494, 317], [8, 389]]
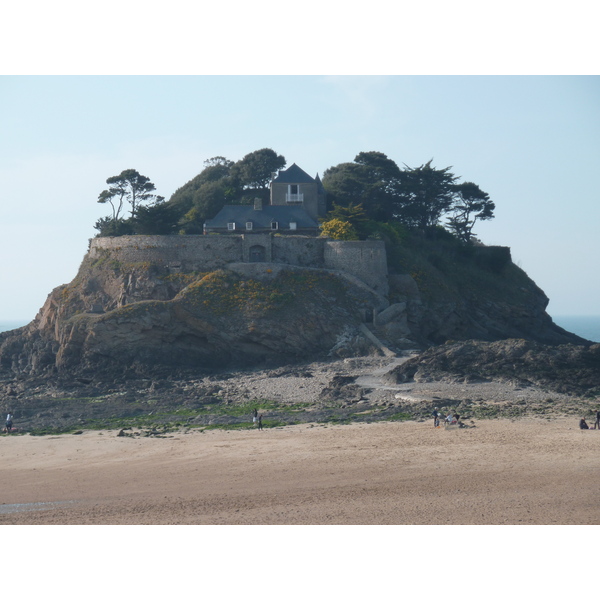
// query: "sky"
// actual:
[[531, 142], [512, 104]]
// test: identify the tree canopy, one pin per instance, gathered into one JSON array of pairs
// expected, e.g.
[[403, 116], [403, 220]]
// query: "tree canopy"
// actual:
[[130, 187], [255, 169], [337, 229], [221, 182], [370, 181], [416, 197], [424, 195], [146, 210], [471, 204], [366, 193], [224, 182]]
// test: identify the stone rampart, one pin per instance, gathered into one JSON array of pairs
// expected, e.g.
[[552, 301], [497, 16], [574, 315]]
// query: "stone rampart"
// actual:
[[185, 252], [365, 260], [302, 251]]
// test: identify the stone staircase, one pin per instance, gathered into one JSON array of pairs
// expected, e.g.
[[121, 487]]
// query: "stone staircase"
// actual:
[[369, 331]]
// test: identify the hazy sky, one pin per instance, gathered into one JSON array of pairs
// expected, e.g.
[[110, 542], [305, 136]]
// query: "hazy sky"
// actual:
[[531, 142]]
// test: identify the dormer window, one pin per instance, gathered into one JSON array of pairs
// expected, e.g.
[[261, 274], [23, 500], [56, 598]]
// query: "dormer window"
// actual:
[[249, 226], [293, 226], [274, 225], [230, 226]]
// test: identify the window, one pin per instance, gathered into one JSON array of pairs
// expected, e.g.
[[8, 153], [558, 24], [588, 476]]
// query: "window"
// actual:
[[274, 225], [249, 226], [293, 226], [294, 195], [230, 226]]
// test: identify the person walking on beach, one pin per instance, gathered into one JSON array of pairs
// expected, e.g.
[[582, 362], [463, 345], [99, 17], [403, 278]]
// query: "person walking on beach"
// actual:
[[9, 423], [260, 422]]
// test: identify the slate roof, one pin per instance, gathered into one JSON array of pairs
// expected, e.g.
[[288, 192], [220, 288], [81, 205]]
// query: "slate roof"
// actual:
[[320, 185], [293, 174], [240, 215]]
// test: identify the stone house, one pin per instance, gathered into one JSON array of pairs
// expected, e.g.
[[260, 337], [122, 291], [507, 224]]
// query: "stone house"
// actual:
[[262, 219], [296, 203], [295, 187]]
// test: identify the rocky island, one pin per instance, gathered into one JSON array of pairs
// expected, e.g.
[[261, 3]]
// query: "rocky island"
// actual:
[[193, 329], [153, 322]]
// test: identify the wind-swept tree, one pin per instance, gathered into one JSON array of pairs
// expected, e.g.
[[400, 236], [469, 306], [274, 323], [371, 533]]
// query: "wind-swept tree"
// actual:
[[130, 187], [471, 204], [424, 195]]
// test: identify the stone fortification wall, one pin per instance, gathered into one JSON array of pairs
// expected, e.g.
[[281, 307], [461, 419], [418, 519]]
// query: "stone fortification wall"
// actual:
[[299, 250], [365, 260], [188, 252]]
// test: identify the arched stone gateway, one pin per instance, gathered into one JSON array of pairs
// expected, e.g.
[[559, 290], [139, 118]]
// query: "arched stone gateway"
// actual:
[[257, 254]]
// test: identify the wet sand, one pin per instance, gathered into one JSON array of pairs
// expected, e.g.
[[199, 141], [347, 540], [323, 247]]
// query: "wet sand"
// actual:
[[527, 471]]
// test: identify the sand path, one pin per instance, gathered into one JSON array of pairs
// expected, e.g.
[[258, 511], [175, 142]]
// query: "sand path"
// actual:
[[499, 472]]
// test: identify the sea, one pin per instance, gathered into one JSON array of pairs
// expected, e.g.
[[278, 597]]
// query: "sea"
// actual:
[[8, 325], [587, 327]]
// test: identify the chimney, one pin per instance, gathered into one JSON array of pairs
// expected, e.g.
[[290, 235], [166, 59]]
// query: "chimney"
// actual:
[[257, 204]]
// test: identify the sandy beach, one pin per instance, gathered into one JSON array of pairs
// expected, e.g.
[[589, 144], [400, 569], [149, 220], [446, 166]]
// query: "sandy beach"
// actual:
[[526, 471]]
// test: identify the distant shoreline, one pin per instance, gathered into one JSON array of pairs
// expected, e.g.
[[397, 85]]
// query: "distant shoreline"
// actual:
[[9, 325], [585, 326]]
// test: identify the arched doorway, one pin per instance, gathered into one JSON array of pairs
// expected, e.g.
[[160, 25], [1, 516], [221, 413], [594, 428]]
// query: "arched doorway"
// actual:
[[257, 254]]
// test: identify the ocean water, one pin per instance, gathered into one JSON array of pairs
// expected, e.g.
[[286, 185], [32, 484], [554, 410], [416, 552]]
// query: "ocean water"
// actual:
[[587, 327], [8, 325]]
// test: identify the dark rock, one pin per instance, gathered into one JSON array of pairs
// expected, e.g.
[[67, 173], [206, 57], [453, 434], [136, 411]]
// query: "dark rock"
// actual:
[[567, 368]]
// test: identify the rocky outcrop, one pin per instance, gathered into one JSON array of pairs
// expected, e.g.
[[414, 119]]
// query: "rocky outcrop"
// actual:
[[568, 369], [461, 301], [141, 317]]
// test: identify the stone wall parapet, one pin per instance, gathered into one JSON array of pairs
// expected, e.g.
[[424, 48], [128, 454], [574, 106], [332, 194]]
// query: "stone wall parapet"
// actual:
[[363, 259]]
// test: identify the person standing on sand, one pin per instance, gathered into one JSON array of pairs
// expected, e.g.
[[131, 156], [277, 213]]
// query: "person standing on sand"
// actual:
[[436, 417], [255, 416], [260, 422], [9, 423], [597, 423]]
